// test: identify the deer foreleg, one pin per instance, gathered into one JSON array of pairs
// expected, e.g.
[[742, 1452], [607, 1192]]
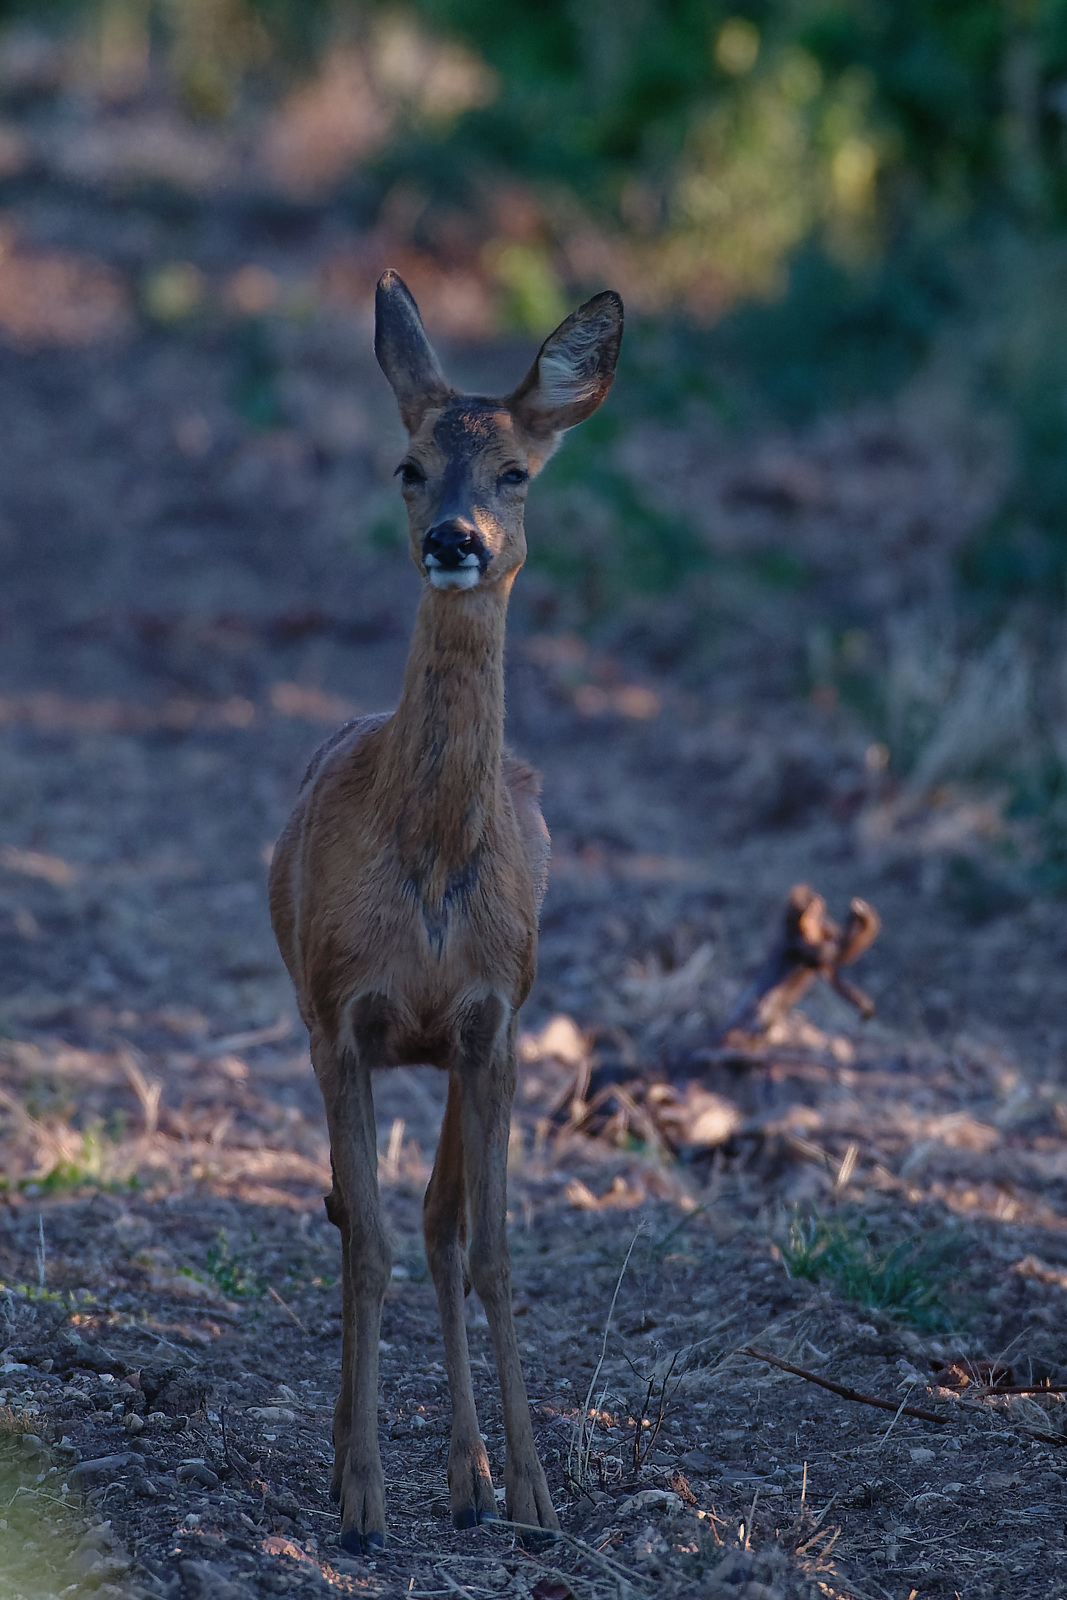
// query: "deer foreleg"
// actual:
[[487, 1075], [346, 1084], [470, 1485]]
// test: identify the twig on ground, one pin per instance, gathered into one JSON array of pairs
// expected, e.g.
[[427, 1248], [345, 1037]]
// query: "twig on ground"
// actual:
[[904, 1410], [819, 1520], [841, 1389], [451, 1586], [290, 1313], [582, 1442], [1057, 1439], [899, 1413], [641, 1456], [225, 1440], [623, 1577], [749, 1520], [981, 1390], [273, 1034]]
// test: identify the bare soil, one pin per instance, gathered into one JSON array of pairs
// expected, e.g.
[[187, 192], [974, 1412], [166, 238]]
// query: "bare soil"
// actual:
[[188, 603]]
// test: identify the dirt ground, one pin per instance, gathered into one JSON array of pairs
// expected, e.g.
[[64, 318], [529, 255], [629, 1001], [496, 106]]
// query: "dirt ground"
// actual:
[[192, 593]]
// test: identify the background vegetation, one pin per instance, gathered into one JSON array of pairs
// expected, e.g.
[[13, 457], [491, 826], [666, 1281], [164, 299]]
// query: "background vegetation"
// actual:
[[806, 204]]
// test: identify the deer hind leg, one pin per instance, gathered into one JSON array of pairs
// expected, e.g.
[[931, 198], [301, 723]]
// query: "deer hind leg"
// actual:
[[358, 1477], [342, 1414], [487, 1075], [470, 1485]]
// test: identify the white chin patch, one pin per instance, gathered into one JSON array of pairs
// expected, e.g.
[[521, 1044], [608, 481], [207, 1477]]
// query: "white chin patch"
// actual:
[[455, 577]]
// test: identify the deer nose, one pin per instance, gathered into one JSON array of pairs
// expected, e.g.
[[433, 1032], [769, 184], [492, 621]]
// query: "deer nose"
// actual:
[[451, 544]]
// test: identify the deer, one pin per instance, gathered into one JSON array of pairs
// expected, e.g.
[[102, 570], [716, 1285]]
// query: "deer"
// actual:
[[405, 892]]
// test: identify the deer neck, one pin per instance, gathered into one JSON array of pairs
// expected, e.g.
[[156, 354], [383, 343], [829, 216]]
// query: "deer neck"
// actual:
[[445, 740]]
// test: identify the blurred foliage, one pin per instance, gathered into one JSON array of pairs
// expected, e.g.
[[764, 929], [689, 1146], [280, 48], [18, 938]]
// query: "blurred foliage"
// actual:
[[797, 197], [822, 166]]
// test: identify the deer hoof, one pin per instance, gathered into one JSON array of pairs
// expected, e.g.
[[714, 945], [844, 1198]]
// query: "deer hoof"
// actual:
[[363, 1544], [471, 1517], [534, 1539]]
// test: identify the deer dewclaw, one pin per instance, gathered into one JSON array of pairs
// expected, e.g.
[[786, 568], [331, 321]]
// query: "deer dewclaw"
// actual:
[[405, 892]]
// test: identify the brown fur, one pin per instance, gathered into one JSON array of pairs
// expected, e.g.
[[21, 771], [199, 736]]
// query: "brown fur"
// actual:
[[405, 891]]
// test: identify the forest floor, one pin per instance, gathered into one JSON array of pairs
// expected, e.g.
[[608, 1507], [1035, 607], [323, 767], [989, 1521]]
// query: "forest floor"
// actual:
[[188, 603]]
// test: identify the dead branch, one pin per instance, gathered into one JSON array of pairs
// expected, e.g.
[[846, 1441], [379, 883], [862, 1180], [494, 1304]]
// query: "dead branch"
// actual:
[[809, 946], [846, 1393], [841, 1389], [656, 1103]]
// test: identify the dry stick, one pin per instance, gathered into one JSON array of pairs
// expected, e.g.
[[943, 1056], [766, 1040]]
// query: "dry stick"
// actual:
[[905, 1410], [641, 1456], [892, 1425], [622, 1576], [452, 1586], [820, 1519], [290, 1313], [840, 1388], [581, 1442], [1010, 1388], [749, 1520], [1058, 1439], [225, 1440]]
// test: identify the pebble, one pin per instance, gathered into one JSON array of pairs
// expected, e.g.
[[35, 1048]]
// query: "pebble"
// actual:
[[651, 1500], [101, 1467]]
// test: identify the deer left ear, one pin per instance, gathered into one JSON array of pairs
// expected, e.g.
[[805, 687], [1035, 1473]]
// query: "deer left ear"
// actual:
[[574, 369]]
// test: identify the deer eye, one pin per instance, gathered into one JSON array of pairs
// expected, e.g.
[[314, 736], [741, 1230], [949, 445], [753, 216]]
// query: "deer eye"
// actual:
[[409, 474], [514, 476]]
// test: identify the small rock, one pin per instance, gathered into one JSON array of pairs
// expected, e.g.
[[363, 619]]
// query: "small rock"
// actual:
[[103, 1467], [34, 1450], [97, 1538], [921, 1455], [651, 1500], [199, 1472], [132, 1422]]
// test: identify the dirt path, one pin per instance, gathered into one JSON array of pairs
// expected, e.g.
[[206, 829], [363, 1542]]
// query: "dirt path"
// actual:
[[187, 604]]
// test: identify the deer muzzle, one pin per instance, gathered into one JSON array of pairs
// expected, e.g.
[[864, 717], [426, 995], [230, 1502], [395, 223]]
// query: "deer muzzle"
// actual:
[[454, 554]]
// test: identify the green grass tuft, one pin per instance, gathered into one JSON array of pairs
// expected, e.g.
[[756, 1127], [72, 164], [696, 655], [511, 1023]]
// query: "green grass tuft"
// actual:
[[909, 1279], [233, 1274]]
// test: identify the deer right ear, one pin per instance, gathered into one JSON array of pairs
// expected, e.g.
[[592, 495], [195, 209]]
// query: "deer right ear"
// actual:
[[574, 369], [404, 353]]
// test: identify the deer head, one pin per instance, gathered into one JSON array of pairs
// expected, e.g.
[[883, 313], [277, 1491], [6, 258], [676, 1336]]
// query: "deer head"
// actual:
[[470, 458]]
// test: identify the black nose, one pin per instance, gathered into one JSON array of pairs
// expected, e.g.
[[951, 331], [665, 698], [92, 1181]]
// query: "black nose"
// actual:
[[450, 541]]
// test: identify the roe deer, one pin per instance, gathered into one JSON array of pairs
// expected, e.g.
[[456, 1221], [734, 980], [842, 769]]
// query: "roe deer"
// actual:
[[405, 892]]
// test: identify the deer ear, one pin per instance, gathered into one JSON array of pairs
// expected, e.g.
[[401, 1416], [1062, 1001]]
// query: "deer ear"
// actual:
[[574, 369], [404, 353]]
